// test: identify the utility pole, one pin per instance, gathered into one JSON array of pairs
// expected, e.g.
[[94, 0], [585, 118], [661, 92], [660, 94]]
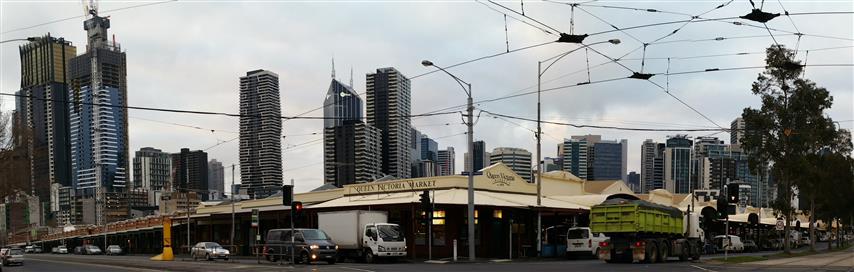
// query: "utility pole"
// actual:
[[539, 159], [231, 239], [187, 202]]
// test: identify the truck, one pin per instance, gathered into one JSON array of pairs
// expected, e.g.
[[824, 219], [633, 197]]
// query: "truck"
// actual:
[[363, 235], [642, 231]]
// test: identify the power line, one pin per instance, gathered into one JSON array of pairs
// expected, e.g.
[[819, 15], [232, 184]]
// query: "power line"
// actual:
[[183, 125], [517, 19], [82, 16], [208, 112], [605, 127], [485, 57]]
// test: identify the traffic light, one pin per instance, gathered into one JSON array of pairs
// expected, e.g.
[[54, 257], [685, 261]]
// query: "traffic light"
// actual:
[[296, 208], [426, 206], [732, 193], [287, 195], [722, 208]]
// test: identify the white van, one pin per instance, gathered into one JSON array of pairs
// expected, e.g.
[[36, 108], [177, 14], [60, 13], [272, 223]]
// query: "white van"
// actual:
[[580, 241], [729, 242]]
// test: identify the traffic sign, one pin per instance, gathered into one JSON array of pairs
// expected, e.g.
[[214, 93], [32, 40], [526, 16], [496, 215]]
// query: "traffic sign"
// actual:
[[780, 225]]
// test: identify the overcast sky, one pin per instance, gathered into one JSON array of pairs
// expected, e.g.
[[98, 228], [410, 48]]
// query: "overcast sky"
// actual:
[[190, 54]]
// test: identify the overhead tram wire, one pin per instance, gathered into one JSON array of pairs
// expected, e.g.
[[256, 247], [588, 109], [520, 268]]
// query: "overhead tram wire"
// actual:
[[183, 125], [485, 57], [82, 16], [517, 19], [607, 127], [197, 112], [684, 103]]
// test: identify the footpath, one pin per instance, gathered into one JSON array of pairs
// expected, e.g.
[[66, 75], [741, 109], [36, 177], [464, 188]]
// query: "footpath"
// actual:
[[843, 258]]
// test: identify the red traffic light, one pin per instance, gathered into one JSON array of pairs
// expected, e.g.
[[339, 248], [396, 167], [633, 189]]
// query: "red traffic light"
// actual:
[[297, 206]]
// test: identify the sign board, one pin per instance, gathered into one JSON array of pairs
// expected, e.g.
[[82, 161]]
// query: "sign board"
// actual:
[[254, 218], [780, 225], [396, 186]]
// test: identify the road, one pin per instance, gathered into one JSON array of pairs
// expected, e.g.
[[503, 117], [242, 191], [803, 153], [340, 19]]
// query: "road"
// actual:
[[50, 262]]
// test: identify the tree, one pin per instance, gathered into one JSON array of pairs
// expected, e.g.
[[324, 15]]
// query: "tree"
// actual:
[[789, 126]]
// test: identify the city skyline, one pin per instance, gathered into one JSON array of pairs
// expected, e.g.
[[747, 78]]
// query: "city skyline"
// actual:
[[153, 79]]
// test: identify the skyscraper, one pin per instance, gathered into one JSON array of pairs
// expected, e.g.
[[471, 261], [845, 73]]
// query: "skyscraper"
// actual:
[[519, 160], [99, 135], [736, 131], [44, 113], [575, 157], [351, 148], [260, 133], [678, 157], [428, 151], [633, 181], [652, 166], [481, 158], [190, 172], [608, 161], [388, 109], [352, 153], [216, 179], [446, 162], [152, 169]]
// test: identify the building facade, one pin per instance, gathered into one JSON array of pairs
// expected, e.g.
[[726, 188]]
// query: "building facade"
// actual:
[[388, 109], [216, 179], [190, 172], [575, 157], [652, 166], [260, 132], [678, 157], [518, 159], [736, 131], [446, 162], [152, 169], [352, 153], [98, 133], [609, 160], [481, 157]]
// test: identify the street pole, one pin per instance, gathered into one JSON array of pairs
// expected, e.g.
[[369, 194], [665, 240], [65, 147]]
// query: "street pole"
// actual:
[[231, 239], [187, 196], [539, 159], [470, 124], [292, 224]]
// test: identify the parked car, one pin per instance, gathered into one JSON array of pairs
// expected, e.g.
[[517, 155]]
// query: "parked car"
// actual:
[[310, 245], [61, 250], [29, 249], [92, 250], [805, 240], [750, 246], [10, 256], [113, 250], [581, 241], [209, 251], [37, 249], [78, 250], [729, 242]]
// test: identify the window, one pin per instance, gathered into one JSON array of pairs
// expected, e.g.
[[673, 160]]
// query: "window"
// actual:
[[497, 214], [577, 234]]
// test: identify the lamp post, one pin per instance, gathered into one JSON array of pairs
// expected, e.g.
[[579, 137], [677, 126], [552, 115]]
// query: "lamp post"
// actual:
[[469, 123], [540, 72], [28, 39]]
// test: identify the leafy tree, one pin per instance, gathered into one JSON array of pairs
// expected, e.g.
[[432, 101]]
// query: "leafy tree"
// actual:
[[789, 126]]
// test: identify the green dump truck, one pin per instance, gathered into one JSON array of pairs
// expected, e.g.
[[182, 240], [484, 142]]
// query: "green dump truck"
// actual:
[[643, 231]]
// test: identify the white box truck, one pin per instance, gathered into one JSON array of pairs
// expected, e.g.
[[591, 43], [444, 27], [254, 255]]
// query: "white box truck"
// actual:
[[363, 234]]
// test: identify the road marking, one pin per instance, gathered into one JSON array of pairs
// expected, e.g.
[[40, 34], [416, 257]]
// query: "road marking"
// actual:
[[704, 269], [97, 265], [356, 269]]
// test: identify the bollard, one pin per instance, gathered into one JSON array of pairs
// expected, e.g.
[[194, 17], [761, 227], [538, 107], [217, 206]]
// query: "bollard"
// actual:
[[455, 250]]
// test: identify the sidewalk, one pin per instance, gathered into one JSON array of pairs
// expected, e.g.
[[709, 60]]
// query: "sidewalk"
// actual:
[[833, 259]]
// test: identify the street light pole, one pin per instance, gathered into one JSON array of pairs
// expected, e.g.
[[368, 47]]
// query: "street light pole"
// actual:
[[470, 124], [231, 239], [538, 136]]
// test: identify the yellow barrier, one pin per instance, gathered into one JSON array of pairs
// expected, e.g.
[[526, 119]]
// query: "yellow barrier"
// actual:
[[167, 242]]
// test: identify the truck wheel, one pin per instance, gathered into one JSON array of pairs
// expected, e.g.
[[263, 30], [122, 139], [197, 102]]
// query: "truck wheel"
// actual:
[[369, 256], [663, 251], [696, 252], [651, 252], [684, 255]]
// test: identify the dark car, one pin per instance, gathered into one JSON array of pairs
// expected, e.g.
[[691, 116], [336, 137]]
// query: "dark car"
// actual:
[[310, 245], [750, 246], [79, 250]]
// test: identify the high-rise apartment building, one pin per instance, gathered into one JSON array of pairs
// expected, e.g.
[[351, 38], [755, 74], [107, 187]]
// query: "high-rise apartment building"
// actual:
[[519, 160], [481, 157], [678, 157], [652, 166], [260, 133], [609, 160], [575, 157], [427, 157], [190, 172], [736, 131], [152, 169], [446, 162], [633, 181], [41, 110], [388, 109], [216, 179], [99, 134], [352, 153]]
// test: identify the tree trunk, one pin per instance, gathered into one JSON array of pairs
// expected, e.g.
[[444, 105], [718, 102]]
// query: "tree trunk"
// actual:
[[812, 223], [786, 235], [830, 231]]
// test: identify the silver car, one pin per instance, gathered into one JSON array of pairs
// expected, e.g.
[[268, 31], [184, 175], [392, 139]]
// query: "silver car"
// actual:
[[114, 250], [209, 251], [11, 256]]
